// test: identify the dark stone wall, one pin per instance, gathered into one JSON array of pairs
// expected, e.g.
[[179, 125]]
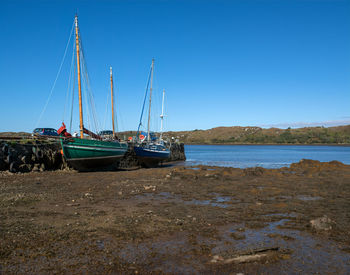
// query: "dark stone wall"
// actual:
[[177, 152], [42, 155], [129, 159], [36, 156]]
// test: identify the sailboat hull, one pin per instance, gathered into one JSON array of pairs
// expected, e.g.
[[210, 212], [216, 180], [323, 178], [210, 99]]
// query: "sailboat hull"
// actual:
[[85, 154], [150, 157]]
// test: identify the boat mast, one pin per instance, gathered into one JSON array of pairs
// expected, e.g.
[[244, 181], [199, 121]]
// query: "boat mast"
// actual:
[[111, 75], [162, 117], [150, 101], [79, 81]]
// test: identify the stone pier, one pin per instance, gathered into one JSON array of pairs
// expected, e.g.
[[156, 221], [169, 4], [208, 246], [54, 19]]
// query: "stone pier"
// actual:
[[41, 155]]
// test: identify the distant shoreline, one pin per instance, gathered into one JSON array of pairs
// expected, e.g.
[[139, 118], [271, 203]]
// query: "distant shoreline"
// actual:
[[235, 135], [273, 144]]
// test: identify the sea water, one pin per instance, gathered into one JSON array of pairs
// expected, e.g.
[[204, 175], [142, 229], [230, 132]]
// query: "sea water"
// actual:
[[267, 156]]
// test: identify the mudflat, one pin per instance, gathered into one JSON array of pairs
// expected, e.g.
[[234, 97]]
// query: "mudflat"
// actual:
[[178, 220]]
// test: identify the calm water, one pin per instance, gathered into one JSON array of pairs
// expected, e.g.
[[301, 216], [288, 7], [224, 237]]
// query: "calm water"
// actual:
[[268, 156]]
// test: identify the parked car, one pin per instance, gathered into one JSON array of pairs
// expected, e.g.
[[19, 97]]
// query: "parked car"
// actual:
[[106, 134], [45, 132]]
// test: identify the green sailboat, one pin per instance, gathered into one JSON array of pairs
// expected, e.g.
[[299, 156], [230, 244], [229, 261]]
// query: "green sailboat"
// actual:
[[89, 153]]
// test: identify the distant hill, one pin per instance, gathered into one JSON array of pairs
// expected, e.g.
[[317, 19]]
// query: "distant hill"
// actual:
[[257, 135], [251, 135]]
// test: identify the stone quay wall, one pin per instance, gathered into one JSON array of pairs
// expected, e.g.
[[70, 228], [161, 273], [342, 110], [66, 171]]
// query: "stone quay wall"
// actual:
[[41, 155]]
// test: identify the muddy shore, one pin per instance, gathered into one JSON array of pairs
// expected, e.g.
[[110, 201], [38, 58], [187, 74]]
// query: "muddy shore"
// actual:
[[177, 220]]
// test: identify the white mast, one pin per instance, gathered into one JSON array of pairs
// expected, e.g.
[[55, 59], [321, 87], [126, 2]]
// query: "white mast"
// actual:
[[150, 101], [162, 117]]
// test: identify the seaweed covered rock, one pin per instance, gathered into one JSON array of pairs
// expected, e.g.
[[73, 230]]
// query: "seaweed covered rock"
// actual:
[[312, 166]]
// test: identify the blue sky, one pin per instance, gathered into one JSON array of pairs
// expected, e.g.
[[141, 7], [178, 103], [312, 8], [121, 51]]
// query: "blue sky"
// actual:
[[222, 63]]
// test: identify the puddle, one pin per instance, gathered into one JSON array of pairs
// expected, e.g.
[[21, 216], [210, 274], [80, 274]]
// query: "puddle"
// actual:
[[217, 201], [281, 215], [223, 199], [100, 244], [207, 202], [300, 197], [201, 168], [166, 195], [281, 198], [308, 198]]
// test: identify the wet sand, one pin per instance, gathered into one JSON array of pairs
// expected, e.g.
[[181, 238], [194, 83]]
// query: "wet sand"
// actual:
[[178, 220]]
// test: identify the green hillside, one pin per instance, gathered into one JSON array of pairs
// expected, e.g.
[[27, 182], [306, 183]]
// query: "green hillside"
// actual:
[[257, 135]]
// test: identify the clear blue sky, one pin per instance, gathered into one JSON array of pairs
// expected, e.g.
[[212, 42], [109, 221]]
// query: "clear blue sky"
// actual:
[[222, 63]]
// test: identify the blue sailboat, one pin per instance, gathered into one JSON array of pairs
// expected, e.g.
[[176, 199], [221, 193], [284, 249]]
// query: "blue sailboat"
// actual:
[[149, 150]]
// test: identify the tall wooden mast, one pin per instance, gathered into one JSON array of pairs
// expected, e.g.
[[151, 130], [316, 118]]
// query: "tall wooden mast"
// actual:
[[79, 81], [150, 101], [111, 75]]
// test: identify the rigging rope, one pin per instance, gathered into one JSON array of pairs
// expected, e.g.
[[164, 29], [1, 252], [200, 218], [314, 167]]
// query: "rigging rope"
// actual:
[[58, 73], [116, 116], [144, 101], [69, 83], [118, 113], [121, 124], [75, 73], [156, 105], [84, 86], [115, 109], [106, 113], [89, 94], [86, 105]]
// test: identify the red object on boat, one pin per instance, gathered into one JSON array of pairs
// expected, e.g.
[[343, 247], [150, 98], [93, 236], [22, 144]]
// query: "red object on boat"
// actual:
[[63, 131]]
